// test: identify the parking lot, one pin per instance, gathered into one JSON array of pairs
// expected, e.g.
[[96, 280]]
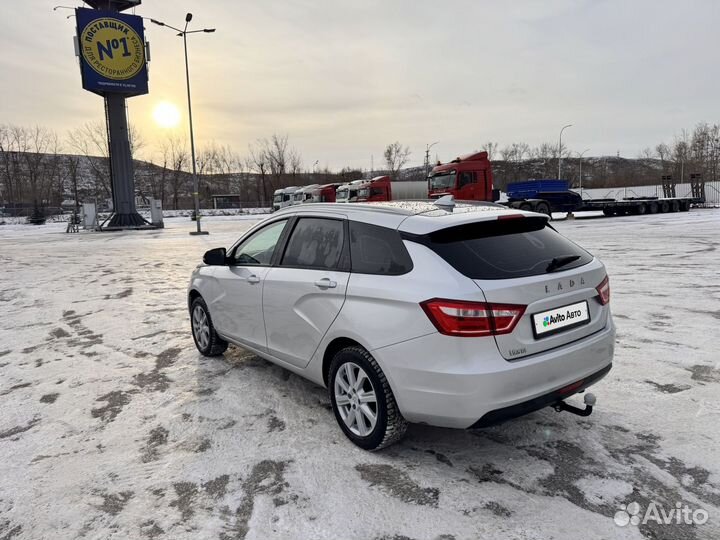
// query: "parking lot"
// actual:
[[113, 426]]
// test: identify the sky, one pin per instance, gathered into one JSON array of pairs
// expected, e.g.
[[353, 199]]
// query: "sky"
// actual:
[[344, 79]]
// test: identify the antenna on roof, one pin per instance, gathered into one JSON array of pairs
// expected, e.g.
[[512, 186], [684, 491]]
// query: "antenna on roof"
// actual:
[[446, 202]]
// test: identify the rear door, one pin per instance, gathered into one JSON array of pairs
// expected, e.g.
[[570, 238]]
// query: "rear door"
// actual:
[[511, 260], [303, 295]]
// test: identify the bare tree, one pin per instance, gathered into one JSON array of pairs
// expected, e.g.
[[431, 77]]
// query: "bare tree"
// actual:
[[10, 174], [178, 160], [295, 164], [491, 148], [396, 156], [90, 141], [258, 161]]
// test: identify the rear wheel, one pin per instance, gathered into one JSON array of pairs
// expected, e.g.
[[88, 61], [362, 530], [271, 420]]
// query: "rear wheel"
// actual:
[[527, 207], [641, 209], [684, 206], [362, 400], [206, 338], [664, 207], [609, 211], [543, 208], [675, 206], [653, 208]]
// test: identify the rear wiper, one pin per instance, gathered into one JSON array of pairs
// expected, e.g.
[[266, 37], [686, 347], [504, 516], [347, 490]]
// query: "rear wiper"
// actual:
[[559, 262]]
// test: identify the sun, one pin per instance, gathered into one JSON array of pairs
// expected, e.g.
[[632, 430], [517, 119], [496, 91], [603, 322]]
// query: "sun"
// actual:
[[166, 115]]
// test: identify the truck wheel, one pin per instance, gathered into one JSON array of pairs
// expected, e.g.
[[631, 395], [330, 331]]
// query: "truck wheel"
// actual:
[[362, 400], [609, 211], [527, 207], [206, 339], [653, 208], [664, 207], [684, 206], [543, 208], [641, 209], [675, 206]]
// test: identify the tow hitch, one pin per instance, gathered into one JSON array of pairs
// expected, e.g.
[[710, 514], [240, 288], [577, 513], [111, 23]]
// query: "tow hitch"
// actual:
[[589, 400]]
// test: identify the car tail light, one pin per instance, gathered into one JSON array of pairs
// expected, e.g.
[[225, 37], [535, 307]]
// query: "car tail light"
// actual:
[[472, 319], [604, 291]]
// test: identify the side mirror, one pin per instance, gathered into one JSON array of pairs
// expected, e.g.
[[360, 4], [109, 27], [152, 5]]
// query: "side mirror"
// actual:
[[215, 257]]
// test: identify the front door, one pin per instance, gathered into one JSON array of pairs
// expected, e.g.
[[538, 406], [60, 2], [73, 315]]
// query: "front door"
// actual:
[[237, 311]]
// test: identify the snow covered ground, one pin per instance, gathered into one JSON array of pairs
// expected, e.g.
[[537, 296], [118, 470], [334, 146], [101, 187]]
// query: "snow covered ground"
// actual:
[[113, 426]]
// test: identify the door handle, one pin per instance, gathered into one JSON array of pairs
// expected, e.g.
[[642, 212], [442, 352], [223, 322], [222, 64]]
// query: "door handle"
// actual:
[[326, 283], [253, 279]]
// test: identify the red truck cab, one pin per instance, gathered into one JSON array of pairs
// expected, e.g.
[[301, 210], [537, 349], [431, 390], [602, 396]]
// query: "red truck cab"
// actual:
[[467, 178], [327, 192], [377, 189]]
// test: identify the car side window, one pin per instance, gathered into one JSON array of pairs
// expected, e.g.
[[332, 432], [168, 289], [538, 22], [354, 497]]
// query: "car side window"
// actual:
[[315, 243], [377, 250], [258, 249]]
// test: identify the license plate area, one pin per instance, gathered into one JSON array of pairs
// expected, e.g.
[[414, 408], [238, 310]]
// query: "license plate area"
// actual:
[[556, 320]]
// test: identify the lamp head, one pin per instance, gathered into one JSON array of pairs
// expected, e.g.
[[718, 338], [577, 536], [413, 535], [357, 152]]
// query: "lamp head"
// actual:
[[188, 17]]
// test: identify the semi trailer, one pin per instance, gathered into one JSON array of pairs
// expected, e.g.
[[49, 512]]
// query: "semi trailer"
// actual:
[[470, 177]]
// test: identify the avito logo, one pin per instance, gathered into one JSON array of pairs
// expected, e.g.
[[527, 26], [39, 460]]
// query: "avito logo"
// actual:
[[553, 319]]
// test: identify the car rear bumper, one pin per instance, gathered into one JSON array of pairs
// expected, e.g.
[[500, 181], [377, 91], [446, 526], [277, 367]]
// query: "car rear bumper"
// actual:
[[499, 416], [465, 382]]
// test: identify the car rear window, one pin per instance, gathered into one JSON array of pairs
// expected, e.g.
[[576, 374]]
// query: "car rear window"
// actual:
[[377, 250], [505, 248]]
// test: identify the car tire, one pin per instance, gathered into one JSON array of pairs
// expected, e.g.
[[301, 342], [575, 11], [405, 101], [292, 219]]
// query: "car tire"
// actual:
[[206, 339], [525, 207], [355, 363]]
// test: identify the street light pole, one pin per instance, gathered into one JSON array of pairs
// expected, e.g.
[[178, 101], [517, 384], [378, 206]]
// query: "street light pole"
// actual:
[[560, 151], [427, 157], [196, 184], [581, 156]]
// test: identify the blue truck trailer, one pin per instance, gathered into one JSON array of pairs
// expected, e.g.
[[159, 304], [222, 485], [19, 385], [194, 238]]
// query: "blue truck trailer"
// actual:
[[548, 196]]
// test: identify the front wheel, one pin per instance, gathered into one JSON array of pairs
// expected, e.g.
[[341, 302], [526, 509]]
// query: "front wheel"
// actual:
[[362, 400], [207, 341]]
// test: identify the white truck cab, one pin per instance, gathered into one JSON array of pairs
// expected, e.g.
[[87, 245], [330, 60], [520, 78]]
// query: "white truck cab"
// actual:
[[283, 197]]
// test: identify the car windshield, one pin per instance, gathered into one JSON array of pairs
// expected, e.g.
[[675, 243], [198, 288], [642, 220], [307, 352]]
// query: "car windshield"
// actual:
[[342, 194], [278, 198], [363, 193], [442, 180]]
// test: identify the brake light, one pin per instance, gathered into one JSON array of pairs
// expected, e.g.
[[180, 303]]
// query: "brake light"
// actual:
[[510, 216], [472, 319], [604, 291]]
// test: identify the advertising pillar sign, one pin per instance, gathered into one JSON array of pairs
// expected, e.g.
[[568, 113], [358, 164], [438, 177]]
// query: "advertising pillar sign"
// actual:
[[112, 52], [113, 64]]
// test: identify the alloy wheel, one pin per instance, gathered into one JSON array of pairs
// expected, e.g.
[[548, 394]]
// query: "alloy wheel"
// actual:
[[355, 398], [201, 327]]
